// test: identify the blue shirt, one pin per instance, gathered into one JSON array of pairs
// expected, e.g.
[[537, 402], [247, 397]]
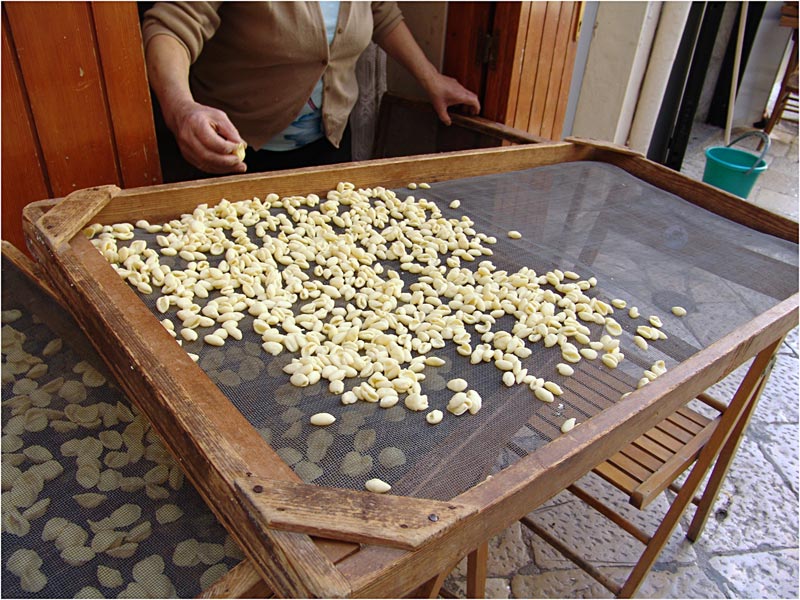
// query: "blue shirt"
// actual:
[[307, 126]]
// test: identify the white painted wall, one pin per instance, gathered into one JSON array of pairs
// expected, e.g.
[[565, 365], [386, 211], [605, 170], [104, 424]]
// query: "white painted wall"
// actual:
[[665, 46], [581, 57], [763, 63], [618, 57]]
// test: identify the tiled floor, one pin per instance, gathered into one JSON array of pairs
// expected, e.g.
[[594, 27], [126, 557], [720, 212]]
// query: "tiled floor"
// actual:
[[749, 548]]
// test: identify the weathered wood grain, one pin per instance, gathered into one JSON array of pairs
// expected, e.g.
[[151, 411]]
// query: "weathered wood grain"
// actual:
[[352, 516]]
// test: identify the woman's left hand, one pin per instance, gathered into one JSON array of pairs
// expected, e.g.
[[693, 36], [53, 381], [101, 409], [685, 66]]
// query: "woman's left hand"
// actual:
[[445, 91]]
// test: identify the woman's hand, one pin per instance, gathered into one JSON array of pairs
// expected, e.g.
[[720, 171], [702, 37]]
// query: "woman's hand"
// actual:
[[445, 91], [206, 137], [442, 90]]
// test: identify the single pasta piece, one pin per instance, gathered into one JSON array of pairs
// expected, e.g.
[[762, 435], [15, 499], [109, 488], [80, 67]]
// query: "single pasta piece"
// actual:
[[377, 486]]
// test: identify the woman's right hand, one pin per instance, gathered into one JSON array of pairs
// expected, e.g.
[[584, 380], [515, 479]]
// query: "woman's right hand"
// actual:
[[206, 137]]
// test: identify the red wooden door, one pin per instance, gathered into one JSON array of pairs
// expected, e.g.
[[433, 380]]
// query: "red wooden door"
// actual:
[[76, 108], [518, 57]]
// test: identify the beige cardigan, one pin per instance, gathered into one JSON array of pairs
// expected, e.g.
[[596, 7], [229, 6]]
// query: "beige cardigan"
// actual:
[[259, 61]]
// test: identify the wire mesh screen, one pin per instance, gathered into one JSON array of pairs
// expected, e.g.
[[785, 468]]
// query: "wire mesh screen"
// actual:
[[643, 245], [93, 505]]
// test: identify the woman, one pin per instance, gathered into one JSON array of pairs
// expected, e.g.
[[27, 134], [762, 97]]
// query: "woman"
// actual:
[[278, 76]]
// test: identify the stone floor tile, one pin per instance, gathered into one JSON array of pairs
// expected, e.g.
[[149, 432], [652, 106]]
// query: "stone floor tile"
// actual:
[[792, 341], [779, 181], [457, 586], [563, 583], [784, 132], [498, 587], [461, 569], [725, 389], [594, 537], [778, 402], [508, 552], [755, 509], [760, 574], [777, 202], [779, 443], [688, 581]]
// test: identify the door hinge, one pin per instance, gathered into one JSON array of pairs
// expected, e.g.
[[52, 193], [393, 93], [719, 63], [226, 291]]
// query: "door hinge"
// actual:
[[486, 49]]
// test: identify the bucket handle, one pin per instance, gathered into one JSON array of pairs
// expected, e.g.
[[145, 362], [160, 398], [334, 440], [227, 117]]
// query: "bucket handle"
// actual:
[[764, 138]]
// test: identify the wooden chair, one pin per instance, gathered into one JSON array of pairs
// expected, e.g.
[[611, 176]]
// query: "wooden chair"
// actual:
[[787, 97], [651, 464]]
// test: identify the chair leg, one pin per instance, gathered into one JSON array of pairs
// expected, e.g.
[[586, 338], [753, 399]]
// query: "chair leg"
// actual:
[[719, 438], [777, 112], [783, 95], [721, 467], [476, 571]]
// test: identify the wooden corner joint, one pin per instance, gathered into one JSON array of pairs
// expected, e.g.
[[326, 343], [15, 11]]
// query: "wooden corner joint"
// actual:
[[349, 515], [69, 216]]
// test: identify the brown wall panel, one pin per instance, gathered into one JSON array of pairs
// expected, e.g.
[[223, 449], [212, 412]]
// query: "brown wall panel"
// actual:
[[119, 43], [562, 40], [466, 22], [56, 47], [23, 180], [505, 30]]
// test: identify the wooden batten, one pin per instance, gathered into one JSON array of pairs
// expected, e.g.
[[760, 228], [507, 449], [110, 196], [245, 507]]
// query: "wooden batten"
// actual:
[[164, 202], [351, 516], [67, 218]]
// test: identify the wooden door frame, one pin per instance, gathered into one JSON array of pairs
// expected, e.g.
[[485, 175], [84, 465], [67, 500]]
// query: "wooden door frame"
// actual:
[[495, 80], [468, 25]]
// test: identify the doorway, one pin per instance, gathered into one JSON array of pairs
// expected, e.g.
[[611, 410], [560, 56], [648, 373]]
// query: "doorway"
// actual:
[[518, 57]]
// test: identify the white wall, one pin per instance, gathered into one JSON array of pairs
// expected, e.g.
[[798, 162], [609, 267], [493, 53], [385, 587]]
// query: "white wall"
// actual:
[[765, 58], [671, 23], [618, 56]]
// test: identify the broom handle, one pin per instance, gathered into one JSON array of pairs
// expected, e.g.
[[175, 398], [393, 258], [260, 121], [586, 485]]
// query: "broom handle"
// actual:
[[735, 79]]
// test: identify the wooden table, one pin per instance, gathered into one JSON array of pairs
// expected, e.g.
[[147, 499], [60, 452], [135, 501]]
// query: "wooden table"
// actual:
[[305, 540]]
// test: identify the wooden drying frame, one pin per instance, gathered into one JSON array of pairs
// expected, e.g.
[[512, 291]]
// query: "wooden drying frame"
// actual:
[[253, 493]]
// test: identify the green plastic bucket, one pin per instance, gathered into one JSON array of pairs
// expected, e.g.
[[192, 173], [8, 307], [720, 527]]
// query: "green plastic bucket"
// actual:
[[734, 170]]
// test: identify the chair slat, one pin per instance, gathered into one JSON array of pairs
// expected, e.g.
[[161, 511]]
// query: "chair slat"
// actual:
[[631, 467], [663, 438], [647, 460], [684, 423], [617, 477], [676, 432], [653, 448], [694, 416], [660, 480]]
